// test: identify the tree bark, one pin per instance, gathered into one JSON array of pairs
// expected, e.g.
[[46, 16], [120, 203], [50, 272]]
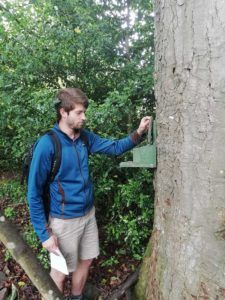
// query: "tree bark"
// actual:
[[12, 240], [186, 251]]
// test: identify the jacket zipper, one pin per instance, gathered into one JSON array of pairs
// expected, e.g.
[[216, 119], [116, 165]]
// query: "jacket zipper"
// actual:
[[85, 200]]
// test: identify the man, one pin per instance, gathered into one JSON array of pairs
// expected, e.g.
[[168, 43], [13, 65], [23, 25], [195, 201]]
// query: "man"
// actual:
[[72, 225]]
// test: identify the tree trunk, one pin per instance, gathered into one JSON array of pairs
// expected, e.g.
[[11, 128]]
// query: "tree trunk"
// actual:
[[12, 240], [186, 254]]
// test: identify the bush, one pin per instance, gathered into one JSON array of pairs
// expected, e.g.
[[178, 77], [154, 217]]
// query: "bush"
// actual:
[[131, 215], [12, 191], [25, 116]]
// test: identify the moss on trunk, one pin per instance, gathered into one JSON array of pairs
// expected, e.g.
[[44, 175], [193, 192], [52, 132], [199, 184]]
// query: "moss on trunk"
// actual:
[[140, 288]]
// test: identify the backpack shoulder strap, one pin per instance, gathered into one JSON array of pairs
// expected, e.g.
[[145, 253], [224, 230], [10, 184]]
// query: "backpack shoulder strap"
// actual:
[[56, 162], [84, 138]]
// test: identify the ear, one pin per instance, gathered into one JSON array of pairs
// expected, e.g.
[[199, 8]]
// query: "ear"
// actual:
[[63, 113]]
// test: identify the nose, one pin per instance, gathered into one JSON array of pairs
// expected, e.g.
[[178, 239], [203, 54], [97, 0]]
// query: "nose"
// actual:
[[83, 117]]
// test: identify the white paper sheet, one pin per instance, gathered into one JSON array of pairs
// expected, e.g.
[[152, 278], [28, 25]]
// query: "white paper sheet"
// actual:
[[58, 262]]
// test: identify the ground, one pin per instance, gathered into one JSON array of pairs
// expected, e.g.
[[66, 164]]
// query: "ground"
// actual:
[[105, 279]]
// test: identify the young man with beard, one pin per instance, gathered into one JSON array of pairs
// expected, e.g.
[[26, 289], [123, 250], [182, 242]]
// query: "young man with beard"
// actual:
[[72, 225]]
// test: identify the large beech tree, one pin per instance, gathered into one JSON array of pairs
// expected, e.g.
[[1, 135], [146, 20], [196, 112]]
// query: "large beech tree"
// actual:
[[186, 253]]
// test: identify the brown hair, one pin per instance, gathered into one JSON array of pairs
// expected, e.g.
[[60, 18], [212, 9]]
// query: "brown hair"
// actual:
[[67, 98]]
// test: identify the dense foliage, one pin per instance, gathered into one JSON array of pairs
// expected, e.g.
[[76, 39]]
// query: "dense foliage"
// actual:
[[106, 49]]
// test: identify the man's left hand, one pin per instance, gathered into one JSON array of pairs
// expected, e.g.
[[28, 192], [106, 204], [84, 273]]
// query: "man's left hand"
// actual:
[[144, 125]]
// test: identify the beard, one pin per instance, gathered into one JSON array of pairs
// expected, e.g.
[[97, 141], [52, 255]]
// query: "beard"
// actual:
[[75, 126]]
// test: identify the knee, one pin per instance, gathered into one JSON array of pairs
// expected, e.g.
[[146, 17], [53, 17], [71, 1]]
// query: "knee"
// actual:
[[86, 262], [57, 276]]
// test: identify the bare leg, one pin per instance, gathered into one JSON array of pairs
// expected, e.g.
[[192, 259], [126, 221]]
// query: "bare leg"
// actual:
[[79, 276], [58, 278]]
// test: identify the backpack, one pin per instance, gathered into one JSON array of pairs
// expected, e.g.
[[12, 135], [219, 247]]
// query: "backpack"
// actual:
[[56, 162]]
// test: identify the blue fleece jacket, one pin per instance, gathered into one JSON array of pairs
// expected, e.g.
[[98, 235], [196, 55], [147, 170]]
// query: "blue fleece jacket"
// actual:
[[73, 179]]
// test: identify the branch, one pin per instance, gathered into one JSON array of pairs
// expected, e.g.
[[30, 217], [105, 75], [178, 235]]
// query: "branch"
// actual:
[[12, 240], [124, 288]]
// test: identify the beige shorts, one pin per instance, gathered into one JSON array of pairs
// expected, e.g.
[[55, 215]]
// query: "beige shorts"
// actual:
[[77, 238]]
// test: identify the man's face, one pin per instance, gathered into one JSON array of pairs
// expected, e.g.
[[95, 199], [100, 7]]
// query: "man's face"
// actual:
[[75, 119]]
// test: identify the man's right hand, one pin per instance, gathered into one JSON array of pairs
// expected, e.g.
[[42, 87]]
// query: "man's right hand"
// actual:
[[51, 244]]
